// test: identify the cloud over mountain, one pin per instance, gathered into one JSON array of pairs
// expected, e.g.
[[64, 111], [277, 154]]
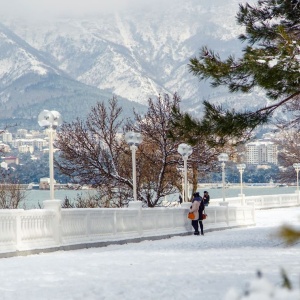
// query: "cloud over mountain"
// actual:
[[68, 8], [133, 50]]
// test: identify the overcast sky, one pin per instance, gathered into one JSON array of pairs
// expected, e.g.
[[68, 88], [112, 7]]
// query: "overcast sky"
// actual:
[[49, 8]]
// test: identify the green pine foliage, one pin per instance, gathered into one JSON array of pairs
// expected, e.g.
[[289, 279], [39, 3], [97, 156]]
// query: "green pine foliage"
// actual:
[[270, 61]]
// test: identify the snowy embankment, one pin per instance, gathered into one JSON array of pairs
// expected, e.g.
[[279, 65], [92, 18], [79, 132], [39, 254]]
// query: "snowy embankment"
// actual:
[[189, 267]]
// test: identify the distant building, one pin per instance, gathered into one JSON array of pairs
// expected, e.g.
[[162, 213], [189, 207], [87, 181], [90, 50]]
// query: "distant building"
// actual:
[[25, 149], [6, 137], [11, 160], [40, 143], [261, 152], [45, 183], [18, 142]]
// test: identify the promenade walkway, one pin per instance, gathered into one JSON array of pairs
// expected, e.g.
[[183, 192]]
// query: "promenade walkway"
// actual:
[[190, 267]]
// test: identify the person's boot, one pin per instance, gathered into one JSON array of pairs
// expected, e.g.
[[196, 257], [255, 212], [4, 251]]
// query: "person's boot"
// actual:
[[196, 233]]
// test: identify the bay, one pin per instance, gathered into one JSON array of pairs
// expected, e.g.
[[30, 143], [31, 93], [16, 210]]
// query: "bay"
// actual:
[[250, 191], [231, 192], [35, 198]]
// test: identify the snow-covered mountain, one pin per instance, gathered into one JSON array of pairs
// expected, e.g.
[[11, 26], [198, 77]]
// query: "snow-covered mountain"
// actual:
[[30, 82], [134, 54]]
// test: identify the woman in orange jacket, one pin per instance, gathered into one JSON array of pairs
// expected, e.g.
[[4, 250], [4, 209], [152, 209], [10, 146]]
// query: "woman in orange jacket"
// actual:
[[195, 209]]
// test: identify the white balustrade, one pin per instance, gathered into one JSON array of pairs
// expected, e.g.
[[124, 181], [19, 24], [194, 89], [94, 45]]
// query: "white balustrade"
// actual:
[[8, 229], [265, 201], [37, 229], [56, 228]]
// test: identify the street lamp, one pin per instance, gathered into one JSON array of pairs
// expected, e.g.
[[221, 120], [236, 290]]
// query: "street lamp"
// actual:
[[241, 168], [50, 120], [222, 158], [185, 151], [133, 139], [297, 168]]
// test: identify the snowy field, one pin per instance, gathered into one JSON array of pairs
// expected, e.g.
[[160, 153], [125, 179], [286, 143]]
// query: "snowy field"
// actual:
[[191, 267]]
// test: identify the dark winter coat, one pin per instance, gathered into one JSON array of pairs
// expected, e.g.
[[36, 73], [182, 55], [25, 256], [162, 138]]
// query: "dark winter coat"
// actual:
[[201, 209], [206, 199]]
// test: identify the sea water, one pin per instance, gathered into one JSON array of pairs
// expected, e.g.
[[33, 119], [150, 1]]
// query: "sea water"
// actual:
[[35, 198], [250, 191], [217, 193]]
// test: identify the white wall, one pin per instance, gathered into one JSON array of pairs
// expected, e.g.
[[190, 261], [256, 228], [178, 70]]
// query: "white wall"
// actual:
[[53, 228]]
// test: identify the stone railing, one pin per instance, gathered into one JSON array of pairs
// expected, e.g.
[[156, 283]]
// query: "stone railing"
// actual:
[[26, 229], [261, 202], [53, 228]]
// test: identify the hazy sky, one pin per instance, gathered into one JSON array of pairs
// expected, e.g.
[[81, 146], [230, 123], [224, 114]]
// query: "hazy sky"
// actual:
[[49, 8]]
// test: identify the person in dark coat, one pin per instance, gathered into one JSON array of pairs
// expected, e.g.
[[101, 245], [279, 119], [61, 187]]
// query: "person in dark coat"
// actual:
[[206, 198], [180, 199], [201, 209]]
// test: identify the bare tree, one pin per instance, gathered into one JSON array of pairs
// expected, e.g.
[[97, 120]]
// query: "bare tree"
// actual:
[[160, 149], [158, 158], [289, 153], [202, 161], [93, 152]]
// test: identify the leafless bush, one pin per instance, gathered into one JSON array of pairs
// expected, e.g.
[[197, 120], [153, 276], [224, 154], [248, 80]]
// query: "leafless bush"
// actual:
[[104, 198], [11, 195]]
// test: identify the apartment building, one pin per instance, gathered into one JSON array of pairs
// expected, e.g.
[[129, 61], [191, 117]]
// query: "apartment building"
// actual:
[[261, 152], [10, 160], [25, 149], [7, 137]]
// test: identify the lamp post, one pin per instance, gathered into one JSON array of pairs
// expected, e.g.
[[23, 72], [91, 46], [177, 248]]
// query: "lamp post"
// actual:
[[50, 120], [185, 151], [241, 168], [297, 168], [133, 139], [222, 158]]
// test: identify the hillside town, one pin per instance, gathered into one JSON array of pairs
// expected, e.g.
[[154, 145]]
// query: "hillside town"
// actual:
[[259, 152], [14, 144], [23, 141]]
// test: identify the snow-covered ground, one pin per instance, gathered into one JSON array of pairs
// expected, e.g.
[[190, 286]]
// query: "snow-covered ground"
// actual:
[[192, 267]]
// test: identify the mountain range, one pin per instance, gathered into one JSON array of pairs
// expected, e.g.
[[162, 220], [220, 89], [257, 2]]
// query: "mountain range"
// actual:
[[69, 63]]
